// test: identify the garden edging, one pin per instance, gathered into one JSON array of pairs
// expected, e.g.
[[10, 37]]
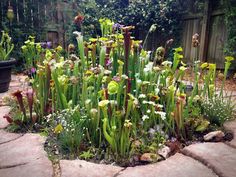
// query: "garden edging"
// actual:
[[30, 163]]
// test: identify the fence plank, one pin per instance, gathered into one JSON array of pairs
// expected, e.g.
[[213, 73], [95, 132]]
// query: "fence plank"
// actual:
[[205, 31], [217, 39]]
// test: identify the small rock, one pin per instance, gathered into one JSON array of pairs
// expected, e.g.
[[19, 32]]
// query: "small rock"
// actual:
[[214, 136], [174, 146], [102, 162], [137, 143], [150, 157], [56, 152], [164, 151]]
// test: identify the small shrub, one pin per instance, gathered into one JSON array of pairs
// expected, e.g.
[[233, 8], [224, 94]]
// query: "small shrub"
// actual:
[[218, 110]]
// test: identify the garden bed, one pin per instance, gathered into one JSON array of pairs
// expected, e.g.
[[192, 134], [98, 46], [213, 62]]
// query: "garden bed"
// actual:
[[107, 100]]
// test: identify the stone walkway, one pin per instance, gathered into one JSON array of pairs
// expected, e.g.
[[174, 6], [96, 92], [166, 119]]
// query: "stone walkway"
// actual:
[[23, 155]]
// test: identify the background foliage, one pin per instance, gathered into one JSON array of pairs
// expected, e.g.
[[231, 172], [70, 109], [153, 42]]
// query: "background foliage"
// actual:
[[142, 14]]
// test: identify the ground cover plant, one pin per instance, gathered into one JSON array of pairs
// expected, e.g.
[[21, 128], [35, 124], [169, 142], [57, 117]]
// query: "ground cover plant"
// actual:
[[107, 98]]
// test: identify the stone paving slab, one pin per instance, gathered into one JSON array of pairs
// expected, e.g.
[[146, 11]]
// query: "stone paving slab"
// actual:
[[23, 150], [218, 156], [231, 126], [17, 83], [175, 166], [3, 122], [37, 168], [7, 137], [81, 168]]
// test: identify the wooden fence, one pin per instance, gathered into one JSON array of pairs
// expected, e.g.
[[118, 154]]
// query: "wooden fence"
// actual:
[[48, 18], [43, 18], [210, 25]]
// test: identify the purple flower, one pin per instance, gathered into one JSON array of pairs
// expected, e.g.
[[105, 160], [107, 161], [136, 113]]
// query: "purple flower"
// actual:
[[49, 45], [43, 45], [46, 45], [116, 78], [117, 26], [108, 62], [140, 47], [33, 70]]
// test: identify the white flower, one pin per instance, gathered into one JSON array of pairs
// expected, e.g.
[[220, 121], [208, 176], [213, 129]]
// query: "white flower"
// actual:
[[157, 90], [151, 103], [196, 98], [142, 96], [77, 33], [138, 81], [162, 114], [146, 82], [197, 62], [148, 111], [145, 117], [159, 105], [59, 65], [145, 102], [153, 28], [62, 79], [107, 72], [88, 101], [148, 67], [124, 76], [166, 63]]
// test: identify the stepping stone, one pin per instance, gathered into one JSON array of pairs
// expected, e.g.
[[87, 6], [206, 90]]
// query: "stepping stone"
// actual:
[[7, 137], [37, 168], [175, 166], [24, 150], [231, 126], [15, 84], [81, 168], [3, 122], [218, 156]]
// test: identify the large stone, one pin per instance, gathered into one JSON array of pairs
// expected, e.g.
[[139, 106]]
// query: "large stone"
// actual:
[[81, 168], [37, 168], [231, 126], [7, 137], [150, 157], [164, 152], [3, 122], [215, 135], [176, 166], [23, 150], [218, 156]]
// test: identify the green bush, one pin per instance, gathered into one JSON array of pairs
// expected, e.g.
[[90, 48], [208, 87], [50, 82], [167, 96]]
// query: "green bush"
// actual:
[[218, 110]]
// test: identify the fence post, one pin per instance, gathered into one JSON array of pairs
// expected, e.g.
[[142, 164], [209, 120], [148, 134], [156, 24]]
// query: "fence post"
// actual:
[[205, 31]]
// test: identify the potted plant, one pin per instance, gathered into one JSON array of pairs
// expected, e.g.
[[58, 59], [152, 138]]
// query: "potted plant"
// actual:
[[6, 63]]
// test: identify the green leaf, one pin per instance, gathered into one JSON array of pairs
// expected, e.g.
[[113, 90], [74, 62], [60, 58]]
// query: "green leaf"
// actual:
[[202, 126]]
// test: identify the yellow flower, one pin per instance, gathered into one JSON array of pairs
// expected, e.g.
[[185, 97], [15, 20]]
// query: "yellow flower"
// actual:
[[182, 68], [183, 64], [229, 58], [58, 129], [93, 40], [112, 87], [48, 55], [204, 65], [127, 124], [179, 49], [172, 88], [59, 48], [212, 66], [88, 72], [120, 62], [103, 103], [24, 48]]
